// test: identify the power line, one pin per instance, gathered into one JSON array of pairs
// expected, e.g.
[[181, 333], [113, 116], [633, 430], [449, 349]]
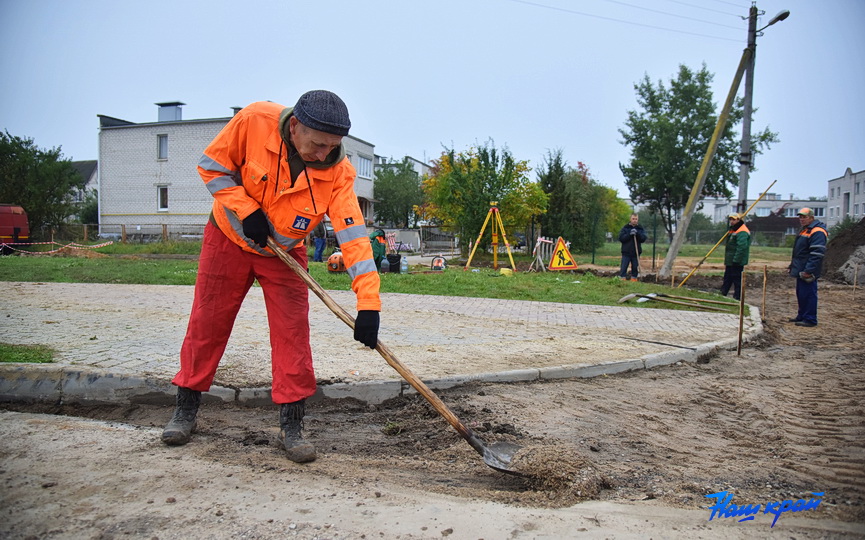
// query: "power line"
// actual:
[[740, 6], [671, 14], [706, 8], [613, 19]]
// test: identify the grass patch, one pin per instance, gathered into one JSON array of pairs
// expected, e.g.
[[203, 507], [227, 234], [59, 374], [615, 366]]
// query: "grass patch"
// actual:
[[127, 270], [29, 354], [564, 287]]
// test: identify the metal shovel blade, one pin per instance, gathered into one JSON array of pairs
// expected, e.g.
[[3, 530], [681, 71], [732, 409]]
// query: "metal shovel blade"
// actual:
[[500, 456]]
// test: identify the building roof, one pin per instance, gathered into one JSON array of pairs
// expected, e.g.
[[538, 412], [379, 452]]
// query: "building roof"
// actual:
[[85, 168]]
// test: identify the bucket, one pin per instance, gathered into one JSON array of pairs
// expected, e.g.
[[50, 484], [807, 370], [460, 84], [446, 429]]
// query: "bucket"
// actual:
[[394, 260]]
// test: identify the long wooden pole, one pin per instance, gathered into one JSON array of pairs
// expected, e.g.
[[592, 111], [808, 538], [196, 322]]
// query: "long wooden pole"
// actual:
[[697, 190], [765, 279]]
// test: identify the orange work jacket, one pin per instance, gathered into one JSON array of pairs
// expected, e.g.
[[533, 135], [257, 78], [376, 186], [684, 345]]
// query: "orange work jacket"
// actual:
[[240, 168]]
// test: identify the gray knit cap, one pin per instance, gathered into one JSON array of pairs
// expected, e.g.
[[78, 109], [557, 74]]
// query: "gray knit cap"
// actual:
[[323, 111]]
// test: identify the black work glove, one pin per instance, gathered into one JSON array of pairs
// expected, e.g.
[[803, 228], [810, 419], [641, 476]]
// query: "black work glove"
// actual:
[[366, 328], [633, 232], [255, 227]]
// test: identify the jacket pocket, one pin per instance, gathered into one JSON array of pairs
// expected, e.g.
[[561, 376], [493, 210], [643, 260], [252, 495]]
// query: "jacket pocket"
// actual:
[[311, 199], [255, 180]]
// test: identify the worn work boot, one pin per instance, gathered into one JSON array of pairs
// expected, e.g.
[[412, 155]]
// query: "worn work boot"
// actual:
[[291, 422], [182, 424]]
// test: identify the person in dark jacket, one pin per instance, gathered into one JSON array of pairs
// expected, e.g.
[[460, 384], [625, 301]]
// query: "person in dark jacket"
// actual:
[[736, 253], [806, 265], [632, 237], [319, 238]]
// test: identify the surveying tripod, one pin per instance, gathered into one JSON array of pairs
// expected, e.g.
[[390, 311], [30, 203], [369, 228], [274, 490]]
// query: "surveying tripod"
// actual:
[[493, 215]]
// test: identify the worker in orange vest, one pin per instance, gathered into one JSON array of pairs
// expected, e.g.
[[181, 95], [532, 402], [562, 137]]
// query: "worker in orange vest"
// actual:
[[273, 171]]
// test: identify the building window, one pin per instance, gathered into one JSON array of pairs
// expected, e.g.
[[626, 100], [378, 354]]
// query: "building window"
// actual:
[[162, 147], [791, 230], [790, 212], [763, 212], [818, 212], [364, 167], [162, 198], [856, 188], [831, 212], [855, 209]]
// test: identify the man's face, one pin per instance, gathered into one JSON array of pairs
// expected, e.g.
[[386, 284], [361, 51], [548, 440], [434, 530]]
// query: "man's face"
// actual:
[[635, 220], [804, 221], [311, 144]]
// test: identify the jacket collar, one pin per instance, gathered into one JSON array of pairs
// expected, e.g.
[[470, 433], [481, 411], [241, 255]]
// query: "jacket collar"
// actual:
[[335, 156]]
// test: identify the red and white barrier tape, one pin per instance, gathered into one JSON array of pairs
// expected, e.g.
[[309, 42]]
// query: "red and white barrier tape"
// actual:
[[71, 245]]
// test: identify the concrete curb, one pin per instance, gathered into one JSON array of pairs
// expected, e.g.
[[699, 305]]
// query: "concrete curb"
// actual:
[[47, 383]]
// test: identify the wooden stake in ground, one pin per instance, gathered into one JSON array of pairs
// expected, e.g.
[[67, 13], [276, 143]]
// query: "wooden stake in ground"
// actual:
[[855, 279], [765, 278], [741, 313]]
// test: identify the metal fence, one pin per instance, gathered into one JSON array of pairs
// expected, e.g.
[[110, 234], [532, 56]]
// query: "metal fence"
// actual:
[[425, 240], [75, 232]]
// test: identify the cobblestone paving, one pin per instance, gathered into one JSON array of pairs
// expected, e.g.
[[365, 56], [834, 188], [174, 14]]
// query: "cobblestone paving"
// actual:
[[138, 330]]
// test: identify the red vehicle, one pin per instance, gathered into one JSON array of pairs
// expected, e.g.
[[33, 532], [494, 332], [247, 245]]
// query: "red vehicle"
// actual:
[[14, 227]]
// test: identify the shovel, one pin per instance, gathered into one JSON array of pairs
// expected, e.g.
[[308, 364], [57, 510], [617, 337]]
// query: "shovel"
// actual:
[[652, 296], [719, 302], [498, 455]]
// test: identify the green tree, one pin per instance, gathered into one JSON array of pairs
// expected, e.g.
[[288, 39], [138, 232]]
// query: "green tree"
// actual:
[[553, 177], [463, 185], [88, 210], [397, 191], [580, 210], [40, 181], [668, 138]]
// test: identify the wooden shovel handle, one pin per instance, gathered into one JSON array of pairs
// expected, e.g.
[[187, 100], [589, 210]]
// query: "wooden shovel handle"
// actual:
[[382, 349]]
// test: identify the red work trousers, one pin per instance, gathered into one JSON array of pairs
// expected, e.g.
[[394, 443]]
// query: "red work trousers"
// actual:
[[225, 274]]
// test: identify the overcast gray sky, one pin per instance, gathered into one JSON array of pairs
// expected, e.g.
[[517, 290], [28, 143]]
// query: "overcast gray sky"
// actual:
[[419, 76]]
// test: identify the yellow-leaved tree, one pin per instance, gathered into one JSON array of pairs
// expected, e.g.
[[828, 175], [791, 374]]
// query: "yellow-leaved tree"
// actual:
[[463, 185]]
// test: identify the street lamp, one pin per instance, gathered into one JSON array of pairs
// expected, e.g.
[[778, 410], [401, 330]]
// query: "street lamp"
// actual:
[[745, 160]]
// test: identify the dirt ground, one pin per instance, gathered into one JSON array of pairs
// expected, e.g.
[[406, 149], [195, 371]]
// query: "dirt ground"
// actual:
[[626, 456]]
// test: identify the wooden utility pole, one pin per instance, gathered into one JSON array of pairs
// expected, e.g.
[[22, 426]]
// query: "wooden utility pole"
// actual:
[[696, 191]]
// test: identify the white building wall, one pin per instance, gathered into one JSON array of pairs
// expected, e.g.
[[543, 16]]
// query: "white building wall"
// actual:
[[131, 173], [846, 197]]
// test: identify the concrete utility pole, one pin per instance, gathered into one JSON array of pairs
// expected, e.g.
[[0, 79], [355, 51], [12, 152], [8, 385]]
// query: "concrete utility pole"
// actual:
[[746, 67], [745, 156], [745, 151]]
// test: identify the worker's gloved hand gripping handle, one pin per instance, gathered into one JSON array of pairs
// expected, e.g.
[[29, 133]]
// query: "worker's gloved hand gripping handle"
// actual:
[[255, 227], [366, 328]]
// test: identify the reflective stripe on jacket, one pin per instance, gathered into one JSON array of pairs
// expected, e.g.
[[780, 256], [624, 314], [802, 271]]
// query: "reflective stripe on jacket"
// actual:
[[240, 168], [809, 250]]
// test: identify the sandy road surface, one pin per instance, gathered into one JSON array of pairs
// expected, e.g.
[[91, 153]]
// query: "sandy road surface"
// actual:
[[632, 456]]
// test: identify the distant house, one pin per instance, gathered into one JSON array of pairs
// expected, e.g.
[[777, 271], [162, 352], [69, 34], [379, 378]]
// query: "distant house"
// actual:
[[148, 176], [846, 197], [422, 169], [89, 171], [773, 204]]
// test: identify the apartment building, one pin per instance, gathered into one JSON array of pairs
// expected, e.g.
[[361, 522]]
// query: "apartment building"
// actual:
[[148, 176], [846, 197]]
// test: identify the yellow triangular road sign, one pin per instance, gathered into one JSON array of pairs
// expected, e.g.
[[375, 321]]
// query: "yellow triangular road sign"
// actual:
[[562, 259]]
